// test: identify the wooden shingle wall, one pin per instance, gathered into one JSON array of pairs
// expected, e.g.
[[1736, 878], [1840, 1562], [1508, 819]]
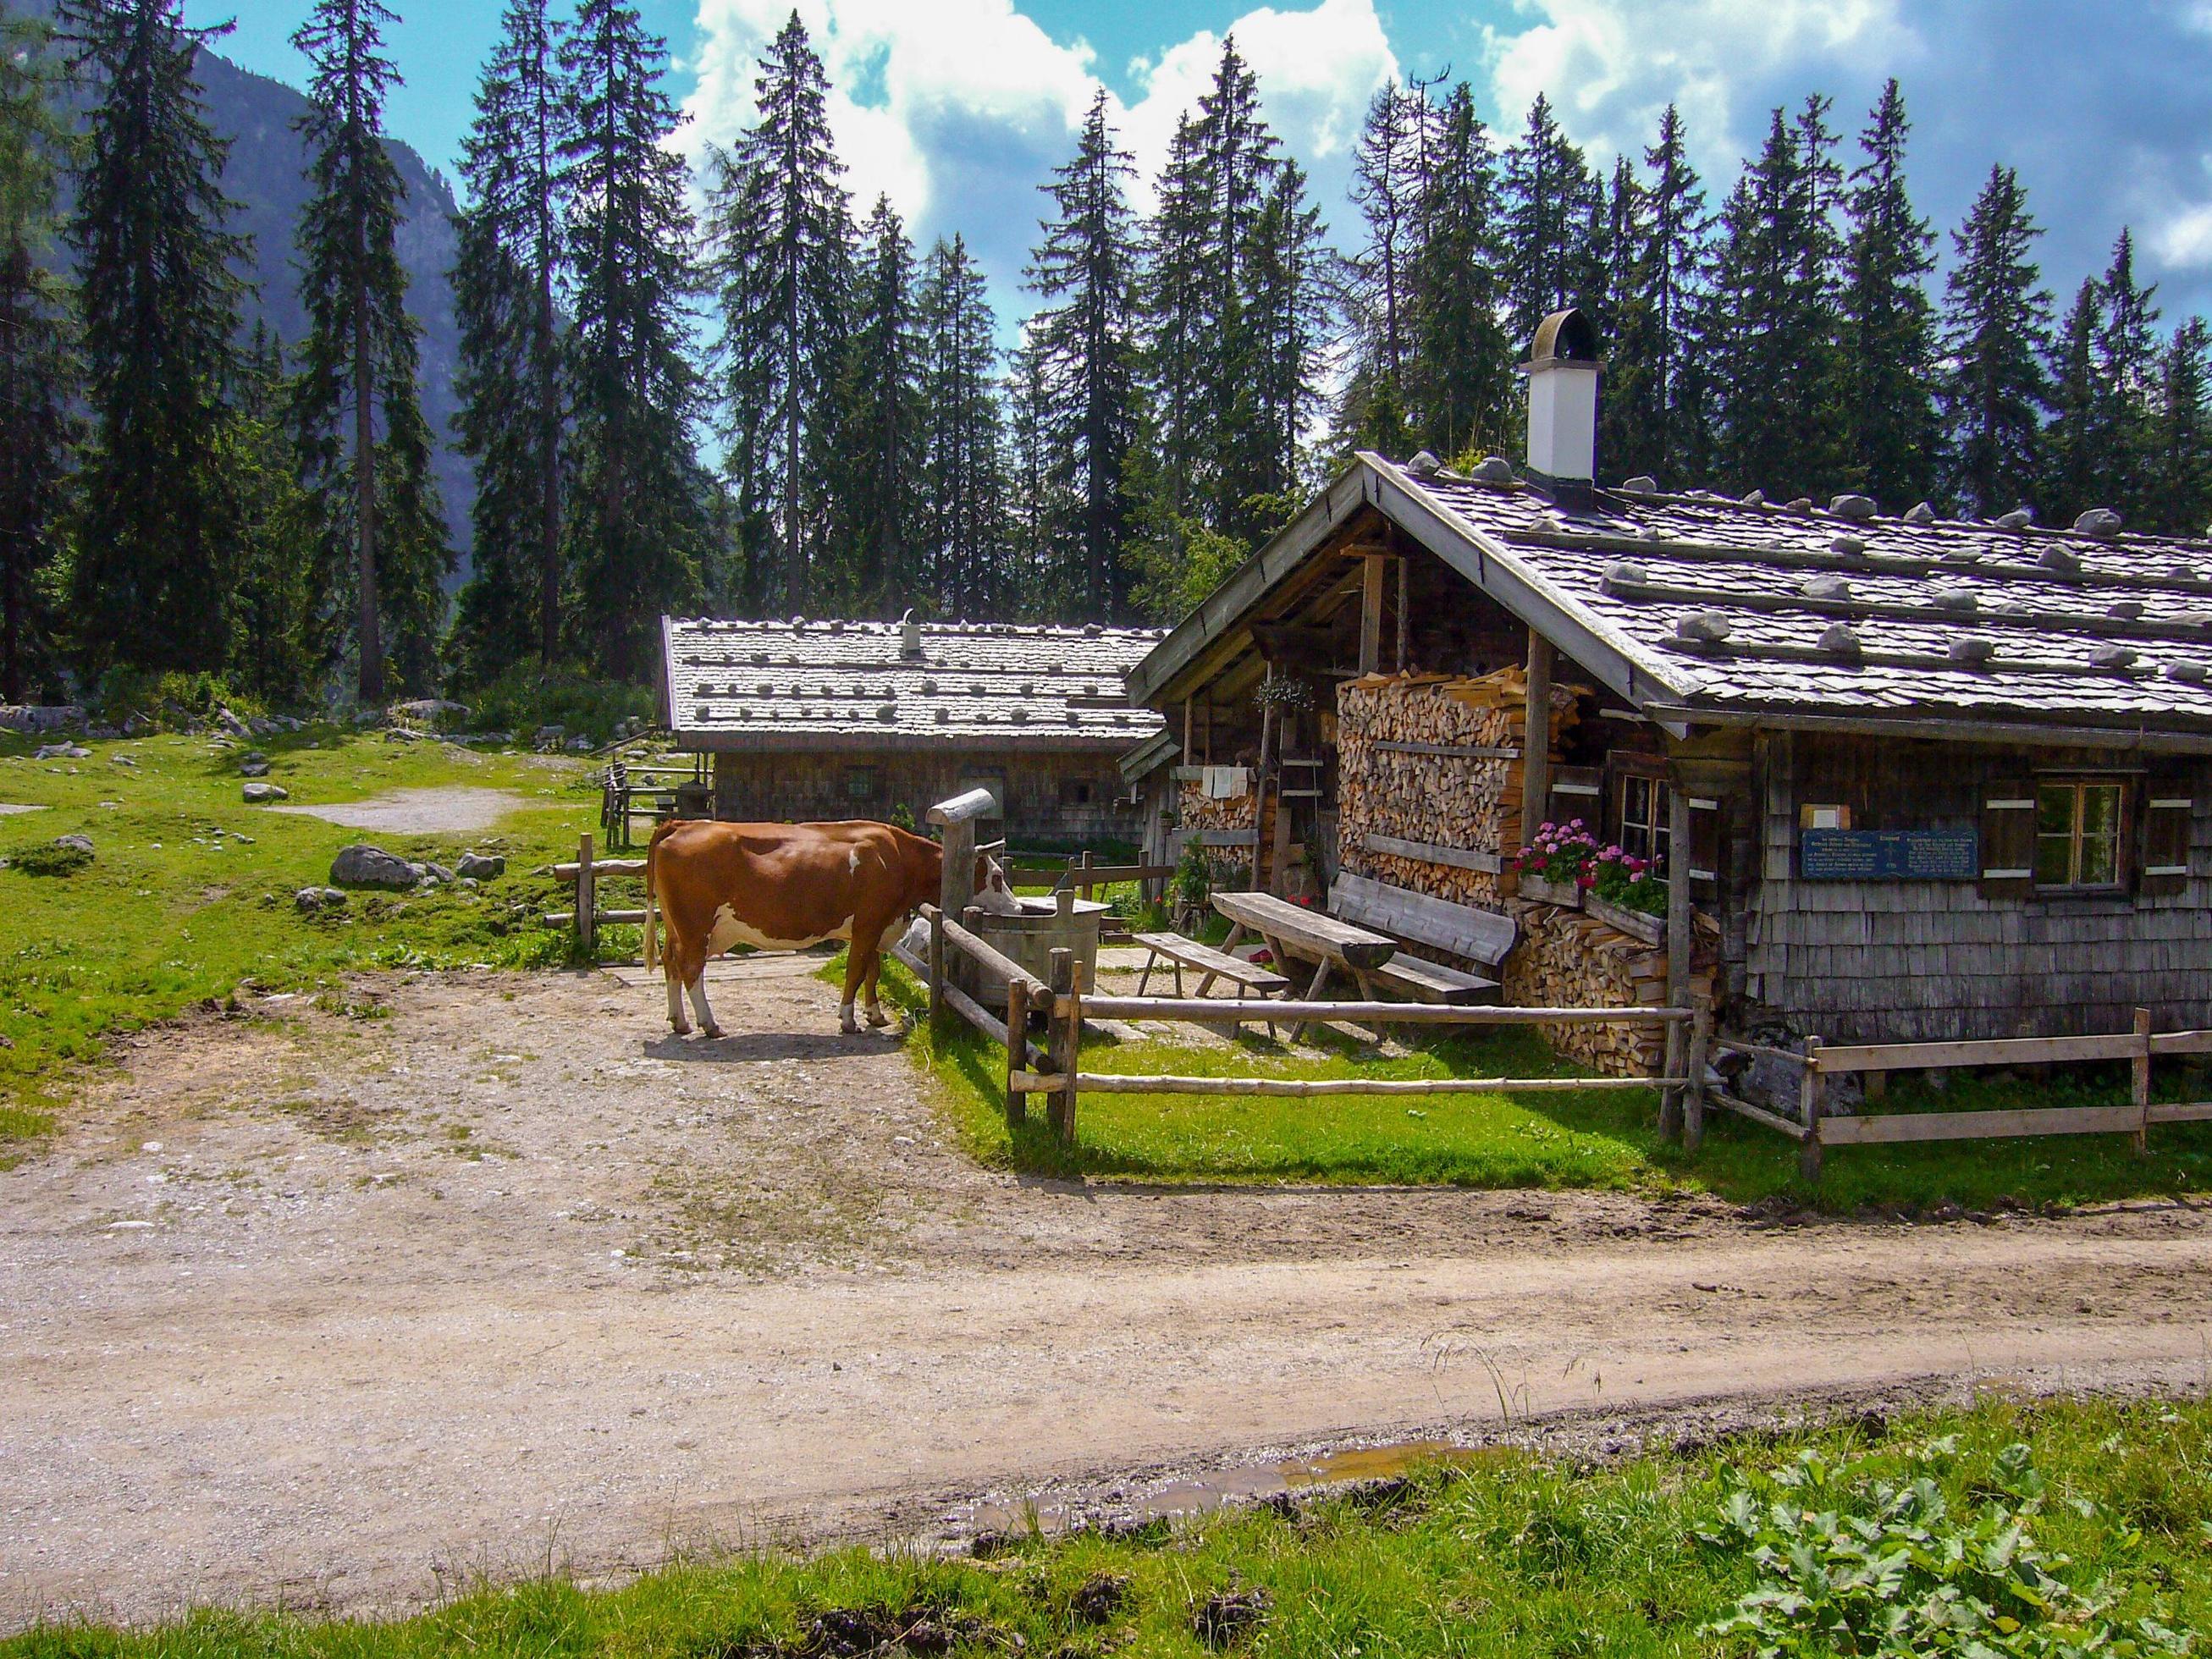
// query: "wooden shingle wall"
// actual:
[[1937, 960], [768, 786]]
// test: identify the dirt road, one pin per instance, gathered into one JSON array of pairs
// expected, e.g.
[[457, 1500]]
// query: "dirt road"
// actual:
[[324, 1306]]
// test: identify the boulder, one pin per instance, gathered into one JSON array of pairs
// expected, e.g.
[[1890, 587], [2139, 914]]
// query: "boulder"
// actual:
[[483, 866], [312, 899], [431, 711], [363, 866], [232, 724], [259, 794], [62, 752], [581, 745], [253, 766], [550, 734], [75, 844], [437, 872]]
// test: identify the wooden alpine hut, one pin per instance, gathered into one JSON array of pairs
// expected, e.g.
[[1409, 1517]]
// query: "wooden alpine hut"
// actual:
[[1906, 777]]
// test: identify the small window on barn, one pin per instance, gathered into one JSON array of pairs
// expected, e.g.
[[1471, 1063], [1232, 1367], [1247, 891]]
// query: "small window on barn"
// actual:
[[2077, 833], [860, 783], [1646, 809], [1075, 792]]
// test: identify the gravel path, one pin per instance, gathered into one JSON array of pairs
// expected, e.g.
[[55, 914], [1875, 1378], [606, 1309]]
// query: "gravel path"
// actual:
[[451, 808], [330, 1308]]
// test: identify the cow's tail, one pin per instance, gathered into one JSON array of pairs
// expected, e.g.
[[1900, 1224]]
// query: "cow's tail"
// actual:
[[653, 897]]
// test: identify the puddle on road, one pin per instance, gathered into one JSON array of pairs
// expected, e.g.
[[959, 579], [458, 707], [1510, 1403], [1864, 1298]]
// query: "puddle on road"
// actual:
[[1056, 1513]]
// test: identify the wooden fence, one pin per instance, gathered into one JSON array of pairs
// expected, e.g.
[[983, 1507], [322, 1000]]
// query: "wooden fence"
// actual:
[[588, 916], [1816, 1129], [1062, 1005], [1083, 872]]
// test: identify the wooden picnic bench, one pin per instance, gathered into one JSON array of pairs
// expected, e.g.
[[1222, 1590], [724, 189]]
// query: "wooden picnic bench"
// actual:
[[1464, 930], [1181, 953]]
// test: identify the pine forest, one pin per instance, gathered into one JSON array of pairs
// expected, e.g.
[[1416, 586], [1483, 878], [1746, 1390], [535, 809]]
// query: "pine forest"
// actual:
[[746, 392]]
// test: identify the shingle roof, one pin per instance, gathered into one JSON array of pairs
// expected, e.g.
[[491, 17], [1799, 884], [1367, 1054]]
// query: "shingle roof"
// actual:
[[1691, 605], [1755, 605], [846, 685]]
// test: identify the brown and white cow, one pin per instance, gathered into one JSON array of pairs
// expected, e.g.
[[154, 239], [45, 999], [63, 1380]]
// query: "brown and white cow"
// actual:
[[785, 886]]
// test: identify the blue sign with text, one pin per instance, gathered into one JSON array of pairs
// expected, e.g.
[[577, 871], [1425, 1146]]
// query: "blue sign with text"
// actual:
[[1889, 854]]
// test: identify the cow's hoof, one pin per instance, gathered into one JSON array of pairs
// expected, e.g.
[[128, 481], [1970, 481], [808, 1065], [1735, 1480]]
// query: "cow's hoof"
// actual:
[[877, 1018], [710, 1031], [681, 1030]]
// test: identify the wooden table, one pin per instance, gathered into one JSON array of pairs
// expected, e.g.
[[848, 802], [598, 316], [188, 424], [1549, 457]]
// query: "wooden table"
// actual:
[[1292, 930]]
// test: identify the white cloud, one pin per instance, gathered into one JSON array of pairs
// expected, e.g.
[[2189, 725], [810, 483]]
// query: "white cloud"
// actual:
[[1611, 66], [958, 109]]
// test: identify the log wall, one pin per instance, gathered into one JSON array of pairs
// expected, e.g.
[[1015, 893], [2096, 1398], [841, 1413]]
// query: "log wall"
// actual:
[[1039, 790]]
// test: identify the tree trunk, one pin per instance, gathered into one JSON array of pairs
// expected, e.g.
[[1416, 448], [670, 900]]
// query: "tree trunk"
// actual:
[[549, 450]]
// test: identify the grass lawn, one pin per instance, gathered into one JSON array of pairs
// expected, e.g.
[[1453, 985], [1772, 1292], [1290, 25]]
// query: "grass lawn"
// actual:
[[190, 890], [1594, 1138], [2066, 1528]]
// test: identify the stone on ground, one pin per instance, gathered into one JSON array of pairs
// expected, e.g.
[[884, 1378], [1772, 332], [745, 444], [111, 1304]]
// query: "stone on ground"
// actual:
[[257, 794], [363, 866], [482, 866]]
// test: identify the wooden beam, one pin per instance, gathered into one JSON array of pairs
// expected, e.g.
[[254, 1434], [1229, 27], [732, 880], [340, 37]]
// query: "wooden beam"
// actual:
[[1892, 1128], [1405, 617], [1370, 612], [1215, 1010], [1536, 739], [1315, 1088], [1996, 1051], [1677, 940]]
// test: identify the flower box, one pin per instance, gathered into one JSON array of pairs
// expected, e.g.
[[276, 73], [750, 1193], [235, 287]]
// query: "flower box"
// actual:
[[1634, 923], [1564, 894]]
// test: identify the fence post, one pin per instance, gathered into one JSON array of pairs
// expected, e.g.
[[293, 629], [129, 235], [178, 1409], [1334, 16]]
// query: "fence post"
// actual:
[[1018, 1052], [586, 900], [1809, 1090], [1083, 880], [936, 970], [1066, 1044], [1693, 1096], [2141, 1079]]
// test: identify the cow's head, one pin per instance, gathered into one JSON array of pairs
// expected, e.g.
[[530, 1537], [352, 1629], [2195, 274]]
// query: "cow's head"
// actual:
[[994, 894]]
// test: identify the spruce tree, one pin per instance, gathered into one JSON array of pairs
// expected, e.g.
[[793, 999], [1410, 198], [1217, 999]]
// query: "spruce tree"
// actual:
[[36, 370], [156, 542], [375, 493], [962, 480], [1045, 578], [781, 229], [1180, 334], [1286, 331], [1553, 202], [636, 527], [878, 455], [1669, 280], [506, 283], [2182, 474], [1083, 346], [2079, 445], [1893, 441], [1625, 324], [1996, 318], [1459, 385], [2127, 388], [1770, 328], [278, 603], [1388, 183]]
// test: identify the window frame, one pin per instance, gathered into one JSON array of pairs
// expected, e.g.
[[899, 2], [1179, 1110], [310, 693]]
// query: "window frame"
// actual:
[[863, 783], [2078, 785], [1658, 832]]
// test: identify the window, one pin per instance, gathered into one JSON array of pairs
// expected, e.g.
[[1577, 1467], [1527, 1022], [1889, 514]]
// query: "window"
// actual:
[[2077, 832], [860, 783], [1646, 807], [1075, 792]]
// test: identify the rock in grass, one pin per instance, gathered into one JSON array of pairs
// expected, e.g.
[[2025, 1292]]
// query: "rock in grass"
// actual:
[[75, 844], [437, 872], [258, 794], [363, 866], [483, 866], [1226, 1619], [313, 900]]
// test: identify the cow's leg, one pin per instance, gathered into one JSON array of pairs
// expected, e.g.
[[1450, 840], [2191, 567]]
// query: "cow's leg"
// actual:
[[872, 995], [707, 1026], [677, 1022], [856, 970]]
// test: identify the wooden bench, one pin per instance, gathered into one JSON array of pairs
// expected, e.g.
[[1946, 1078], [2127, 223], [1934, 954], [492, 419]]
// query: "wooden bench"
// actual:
[[1183, 953], [1464, 930]]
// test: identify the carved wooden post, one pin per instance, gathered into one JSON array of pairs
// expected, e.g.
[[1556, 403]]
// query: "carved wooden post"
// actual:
[[1018, 1052], [1370, 612], [1693, 1097], [956, 822], [936, 969], [1082, 878], [586, 900], [1066, 1042], [2142, 1080], [1809, 1090]]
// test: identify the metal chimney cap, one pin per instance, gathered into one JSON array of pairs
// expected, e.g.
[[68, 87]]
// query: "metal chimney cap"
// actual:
[[1565, 337]]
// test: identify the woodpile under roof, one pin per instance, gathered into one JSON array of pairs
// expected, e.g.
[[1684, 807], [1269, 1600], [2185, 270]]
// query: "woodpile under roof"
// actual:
[[806, 684]]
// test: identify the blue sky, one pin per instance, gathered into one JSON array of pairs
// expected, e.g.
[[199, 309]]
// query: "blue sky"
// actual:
[[959, 108]]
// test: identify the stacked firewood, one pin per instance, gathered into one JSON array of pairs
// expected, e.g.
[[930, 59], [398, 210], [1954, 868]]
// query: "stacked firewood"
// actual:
[[1566, 959], [1200, 811], [1468, 801]]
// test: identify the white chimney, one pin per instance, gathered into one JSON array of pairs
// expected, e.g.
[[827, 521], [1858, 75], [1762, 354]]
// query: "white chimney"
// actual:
[[909, 636], [1563, 371]]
